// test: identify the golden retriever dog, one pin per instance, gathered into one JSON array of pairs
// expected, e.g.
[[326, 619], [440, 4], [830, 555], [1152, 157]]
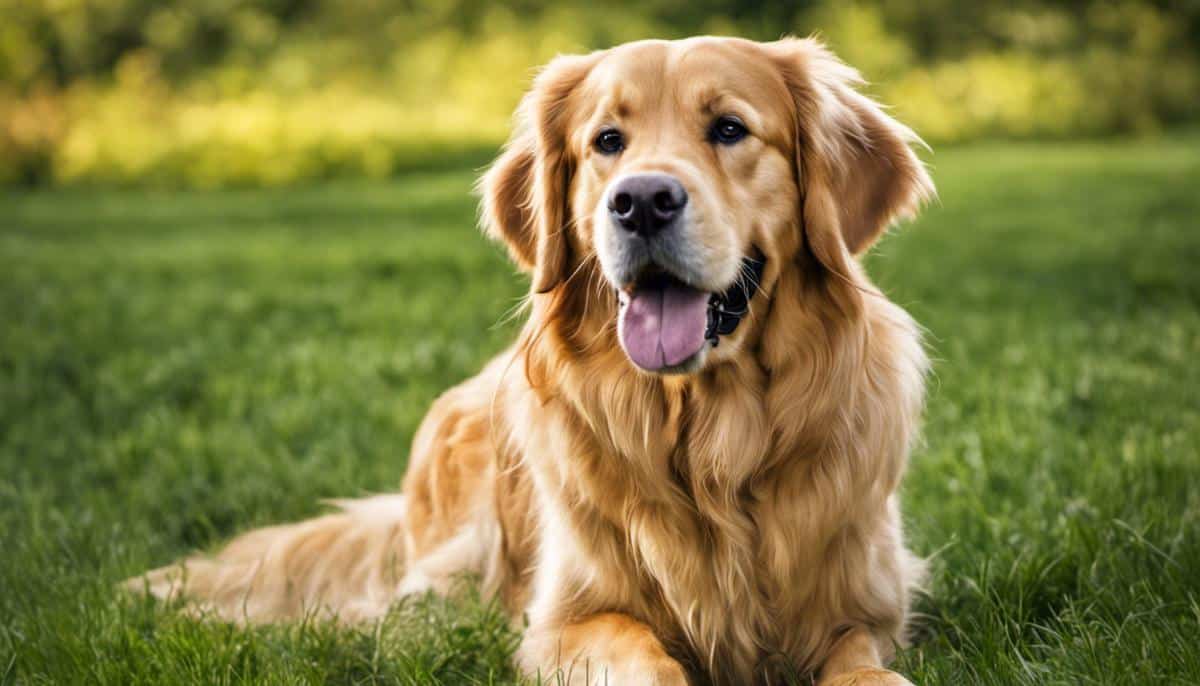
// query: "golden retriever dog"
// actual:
[[685, 470]]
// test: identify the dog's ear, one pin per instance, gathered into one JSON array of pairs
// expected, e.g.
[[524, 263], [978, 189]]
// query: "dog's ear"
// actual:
[[525, 201], [506, 207], [857, 170]]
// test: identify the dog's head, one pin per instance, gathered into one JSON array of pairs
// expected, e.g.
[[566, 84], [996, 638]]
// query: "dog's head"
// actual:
[[692, 172]]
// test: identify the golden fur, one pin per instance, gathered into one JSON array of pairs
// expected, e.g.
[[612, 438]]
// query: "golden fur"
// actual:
[[722, 526]]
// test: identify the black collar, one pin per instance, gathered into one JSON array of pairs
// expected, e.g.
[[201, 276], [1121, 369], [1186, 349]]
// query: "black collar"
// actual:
[[726, 310]]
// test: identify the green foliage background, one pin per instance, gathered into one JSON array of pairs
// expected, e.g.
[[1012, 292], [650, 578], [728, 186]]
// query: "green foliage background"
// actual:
[[269, 92]]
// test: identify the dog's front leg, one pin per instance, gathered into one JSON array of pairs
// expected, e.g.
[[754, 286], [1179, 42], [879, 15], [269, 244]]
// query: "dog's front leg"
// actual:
[[855, 661], [602, 649]]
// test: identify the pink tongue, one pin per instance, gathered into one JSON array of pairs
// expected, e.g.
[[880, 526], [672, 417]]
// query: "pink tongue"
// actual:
[[662, 327]]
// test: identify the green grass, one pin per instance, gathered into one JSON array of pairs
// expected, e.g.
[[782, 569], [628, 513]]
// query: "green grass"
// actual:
[[177, 367]]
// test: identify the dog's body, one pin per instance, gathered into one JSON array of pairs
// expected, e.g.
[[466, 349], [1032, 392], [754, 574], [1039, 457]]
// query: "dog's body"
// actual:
[[730, 515]]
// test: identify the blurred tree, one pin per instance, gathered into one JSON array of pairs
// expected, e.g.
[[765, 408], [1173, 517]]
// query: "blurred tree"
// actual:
[[270, 91]]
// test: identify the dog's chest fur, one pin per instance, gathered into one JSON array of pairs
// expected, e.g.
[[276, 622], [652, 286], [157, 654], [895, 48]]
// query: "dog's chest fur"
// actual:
[[747, 517], [736, 575], [725, 552]]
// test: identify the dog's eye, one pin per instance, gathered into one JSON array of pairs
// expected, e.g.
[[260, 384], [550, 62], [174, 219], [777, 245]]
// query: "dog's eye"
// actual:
[[610, 142], [727, 131]]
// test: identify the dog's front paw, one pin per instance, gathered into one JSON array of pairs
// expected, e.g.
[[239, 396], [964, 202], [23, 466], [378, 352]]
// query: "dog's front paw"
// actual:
[[662, 673], [867, 677], [637, 672], [608, 649]]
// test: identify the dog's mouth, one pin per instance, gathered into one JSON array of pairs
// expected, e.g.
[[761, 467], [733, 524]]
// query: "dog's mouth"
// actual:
[[662, 320], [664, 323]]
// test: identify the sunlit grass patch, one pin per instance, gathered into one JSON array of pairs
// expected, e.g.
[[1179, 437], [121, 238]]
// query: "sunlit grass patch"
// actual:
[[178, 367]]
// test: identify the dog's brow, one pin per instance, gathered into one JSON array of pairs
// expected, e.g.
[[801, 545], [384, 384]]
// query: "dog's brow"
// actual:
[[615, 106], [724, 103]]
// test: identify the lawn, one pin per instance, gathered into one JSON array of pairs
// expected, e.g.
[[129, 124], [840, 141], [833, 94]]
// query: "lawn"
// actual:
[[177, 367]]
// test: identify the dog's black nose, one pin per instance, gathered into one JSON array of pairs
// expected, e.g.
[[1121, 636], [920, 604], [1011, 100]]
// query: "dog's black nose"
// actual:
[[645, 203]]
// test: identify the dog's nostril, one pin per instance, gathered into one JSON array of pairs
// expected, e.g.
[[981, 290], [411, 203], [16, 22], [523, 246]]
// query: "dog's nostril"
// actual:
[[622, 203], [663, 202]]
